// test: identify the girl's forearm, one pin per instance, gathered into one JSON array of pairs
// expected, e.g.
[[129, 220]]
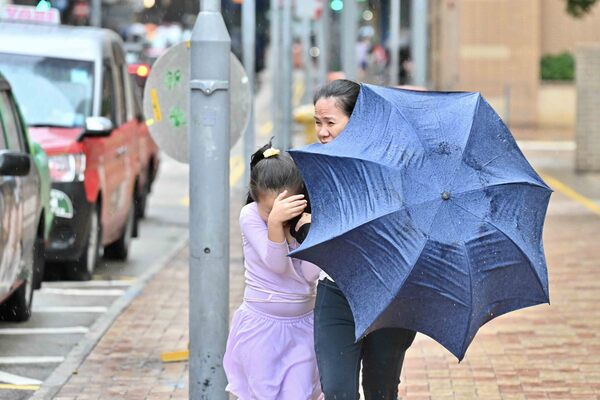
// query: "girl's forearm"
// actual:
[[276, 232]]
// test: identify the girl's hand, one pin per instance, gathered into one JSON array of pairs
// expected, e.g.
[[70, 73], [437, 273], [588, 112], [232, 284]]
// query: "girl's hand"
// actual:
[[286, 208]]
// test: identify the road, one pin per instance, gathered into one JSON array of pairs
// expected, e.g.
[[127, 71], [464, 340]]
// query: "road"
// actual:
[[65, 312]]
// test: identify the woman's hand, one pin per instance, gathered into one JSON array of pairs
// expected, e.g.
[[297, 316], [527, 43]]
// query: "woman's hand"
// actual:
[[305, 219], [286, 208]]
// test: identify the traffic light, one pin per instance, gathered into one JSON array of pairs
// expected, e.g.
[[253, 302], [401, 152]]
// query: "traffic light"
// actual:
[[43, 5], [336, 5]]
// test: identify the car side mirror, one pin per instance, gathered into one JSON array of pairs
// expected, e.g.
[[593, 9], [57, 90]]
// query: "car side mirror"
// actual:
[[14, 164], [97, 127]]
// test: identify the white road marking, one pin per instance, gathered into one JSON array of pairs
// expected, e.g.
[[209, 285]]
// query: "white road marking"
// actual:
[[113, 283], [31, 360], [17, 380], [83, 292], [43, 331], [99, 310]]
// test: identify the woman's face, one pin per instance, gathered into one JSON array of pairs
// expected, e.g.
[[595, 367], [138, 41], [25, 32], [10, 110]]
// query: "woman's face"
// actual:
[[330, 120]]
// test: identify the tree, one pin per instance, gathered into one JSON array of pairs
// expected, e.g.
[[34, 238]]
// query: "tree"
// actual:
[[578, 8]]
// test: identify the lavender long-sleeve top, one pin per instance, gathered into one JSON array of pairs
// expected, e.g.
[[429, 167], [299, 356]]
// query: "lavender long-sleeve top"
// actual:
[[275, 283]]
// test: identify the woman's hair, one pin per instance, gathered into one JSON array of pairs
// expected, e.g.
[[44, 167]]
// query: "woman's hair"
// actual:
[[272, 174], [344, 91]]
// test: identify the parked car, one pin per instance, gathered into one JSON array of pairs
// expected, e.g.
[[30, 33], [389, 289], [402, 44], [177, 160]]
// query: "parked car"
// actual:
[[149, 151], [23, 222], [79, 101]]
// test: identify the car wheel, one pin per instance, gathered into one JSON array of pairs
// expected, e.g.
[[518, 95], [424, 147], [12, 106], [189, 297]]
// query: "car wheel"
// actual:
[[119, 250], [17, 307], [39, 262], [83, 268], [141, 200]]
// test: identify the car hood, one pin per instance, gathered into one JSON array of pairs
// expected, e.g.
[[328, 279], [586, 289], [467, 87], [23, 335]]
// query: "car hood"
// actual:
[[57, 140]]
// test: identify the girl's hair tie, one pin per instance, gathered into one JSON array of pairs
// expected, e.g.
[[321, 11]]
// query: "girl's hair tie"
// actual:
[[271, 152]]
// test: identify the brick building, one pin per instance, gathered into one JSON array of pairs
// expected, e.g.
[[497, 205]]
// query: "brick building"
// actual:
[[495, 47]]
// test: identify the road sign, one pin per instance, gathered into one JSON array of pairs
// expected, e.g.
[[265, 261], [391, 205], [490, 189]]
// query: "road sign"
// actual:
[[166, 101], [309, 9]]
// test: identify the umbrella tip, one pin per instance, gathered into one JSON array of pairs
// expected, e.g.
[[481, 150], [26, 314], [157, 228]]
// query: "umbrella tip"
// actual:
[[446, 196]]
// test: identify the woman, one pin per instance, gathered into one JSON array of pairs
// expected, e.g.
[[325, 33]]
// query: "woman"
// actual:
[[338, 356]]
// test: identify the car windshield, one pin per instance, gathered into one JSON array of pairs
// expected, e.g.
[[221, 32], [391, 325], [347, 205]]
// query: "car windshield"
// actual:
[[50, 91]]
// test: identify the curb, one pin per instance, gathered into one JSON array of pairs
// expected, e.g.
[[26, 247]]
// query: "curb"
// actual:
[[59, 377]]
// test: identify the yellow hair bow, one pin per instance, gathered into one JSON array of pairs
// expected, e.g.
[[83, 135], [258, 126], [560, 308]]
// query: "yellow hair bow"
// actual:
[[271, 152]]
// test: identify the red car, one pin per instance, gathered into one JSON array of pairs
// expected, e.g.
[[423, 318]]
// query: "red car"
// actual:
[[76, 94]]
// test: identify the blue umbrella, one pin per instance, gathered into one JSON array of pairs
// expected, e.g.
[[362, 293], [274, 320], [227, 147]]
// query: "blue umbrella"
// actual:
[[426, 214]]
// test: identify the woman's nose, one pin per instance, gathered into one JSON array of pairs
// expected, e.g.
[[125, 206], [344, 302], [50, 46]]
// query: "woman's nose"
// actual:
[[322, 132]]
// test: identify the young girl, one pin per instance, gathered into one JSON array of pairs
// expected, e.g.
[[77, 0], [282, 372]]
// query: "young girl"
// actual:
[[270, 350]]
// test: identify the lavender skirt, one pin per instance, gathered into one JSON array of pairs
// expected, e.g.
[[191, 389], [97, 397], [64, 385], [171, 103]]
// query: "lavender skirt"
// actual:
[[270, 357]]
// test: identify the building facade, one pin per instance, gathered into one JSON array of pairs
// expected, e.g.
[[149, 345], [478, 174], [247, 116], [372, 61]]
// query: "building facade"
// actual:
[[495, 47]]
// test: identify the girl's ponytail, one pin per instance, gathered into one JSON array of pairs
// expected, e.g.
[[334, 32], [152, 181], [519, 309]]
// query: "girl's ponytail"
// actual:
[[257, 157]]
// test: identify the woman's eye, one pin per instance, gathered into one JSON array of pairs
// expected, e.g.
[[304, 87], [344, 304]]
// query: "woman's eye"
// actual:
[[330, 124]]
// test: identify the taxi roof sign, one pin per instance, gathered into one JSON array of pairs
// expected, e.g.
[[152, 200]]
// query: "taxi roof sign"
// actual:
[[17, 13]]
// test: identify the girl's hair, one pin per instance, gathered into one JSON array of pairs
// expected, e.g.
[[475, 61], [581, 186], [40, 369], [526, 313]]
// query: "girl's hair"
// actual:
[[272, 174], [344, 91]]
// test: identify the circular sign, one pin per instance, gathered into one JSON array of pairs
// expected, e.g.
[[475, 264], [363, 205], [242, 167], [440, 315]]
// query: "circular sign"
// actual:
[[167, 99]]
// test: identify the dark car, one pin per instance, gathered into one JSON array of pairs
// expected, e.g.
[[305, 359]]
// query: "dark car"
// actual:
[[21, 220]]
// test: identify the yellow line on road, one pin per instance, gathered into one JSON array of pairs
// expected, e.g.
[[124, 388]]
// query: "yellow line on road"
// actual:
[[298, 93], [8, 386], [236, 171], [175, 356], [572, 194]]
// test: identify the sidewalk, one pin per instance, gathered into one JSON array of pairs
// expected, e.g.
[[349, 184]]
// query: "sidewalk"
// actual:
[[545, 352]]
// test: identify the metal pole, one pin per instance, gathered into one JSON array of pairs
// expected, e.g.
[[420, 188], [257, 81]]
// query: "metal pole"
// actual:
[[286, 76], [349, 35], [208, 139], [249, 39], [323, 43], [307, 59], [275, 29], [419, 42], [394, 42], [96, 13]]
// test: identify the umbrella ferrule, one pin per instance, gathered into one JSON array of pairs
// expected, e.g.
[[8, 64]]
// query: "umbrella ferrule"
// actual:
[[446, 196]]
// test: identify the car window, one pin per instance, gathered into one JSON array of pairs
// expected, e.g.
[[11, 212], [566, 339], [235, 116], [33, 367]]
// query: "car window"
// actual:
[[121, 87], [2, 131], [51, 91], [11, 124], [108, 94]]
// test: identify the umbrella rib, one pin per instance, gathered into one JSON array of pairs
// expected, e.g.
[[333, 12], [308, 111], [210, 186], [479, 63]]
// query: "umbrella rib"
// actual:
[[470, 292], [453, 176], [464, 246], [497, 185], [403, 116], [509, 238]]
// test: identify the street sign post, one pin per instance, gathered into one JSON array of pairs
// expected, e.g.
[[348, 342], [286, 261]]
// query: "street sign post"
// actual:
[[249, 41], [209, 143], [166, 101]]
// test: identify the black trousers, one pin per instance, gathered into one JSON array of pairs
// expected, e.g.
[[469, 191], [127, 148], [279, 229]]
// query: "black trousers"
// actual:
[[339, 357]]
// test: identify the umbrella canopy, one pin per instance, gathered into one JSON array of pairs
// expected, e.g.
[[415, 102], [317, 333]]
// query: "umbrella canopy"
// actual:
[[426, 214]]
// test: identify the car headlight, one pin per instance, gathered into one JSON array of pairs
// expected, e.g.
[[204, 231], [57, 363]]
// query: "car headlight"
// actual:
[[67, 167]]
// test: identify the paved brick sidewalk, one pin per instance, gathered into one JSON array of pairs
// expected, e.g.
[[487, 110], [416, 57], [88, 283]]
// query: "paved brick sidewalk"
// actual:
[[545, 352]]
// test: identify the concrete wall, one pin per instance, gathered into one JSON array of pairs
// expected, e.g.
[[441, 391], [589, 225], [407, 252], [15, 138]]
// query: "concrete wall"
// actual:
[[557, 105], [495, 50], [587, 135], [561, 32]]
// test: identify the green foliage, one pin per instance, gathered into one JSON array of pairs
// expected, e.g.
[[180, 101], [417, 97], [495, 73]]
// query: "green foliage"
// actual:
[[578, 8], [559, 67]]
